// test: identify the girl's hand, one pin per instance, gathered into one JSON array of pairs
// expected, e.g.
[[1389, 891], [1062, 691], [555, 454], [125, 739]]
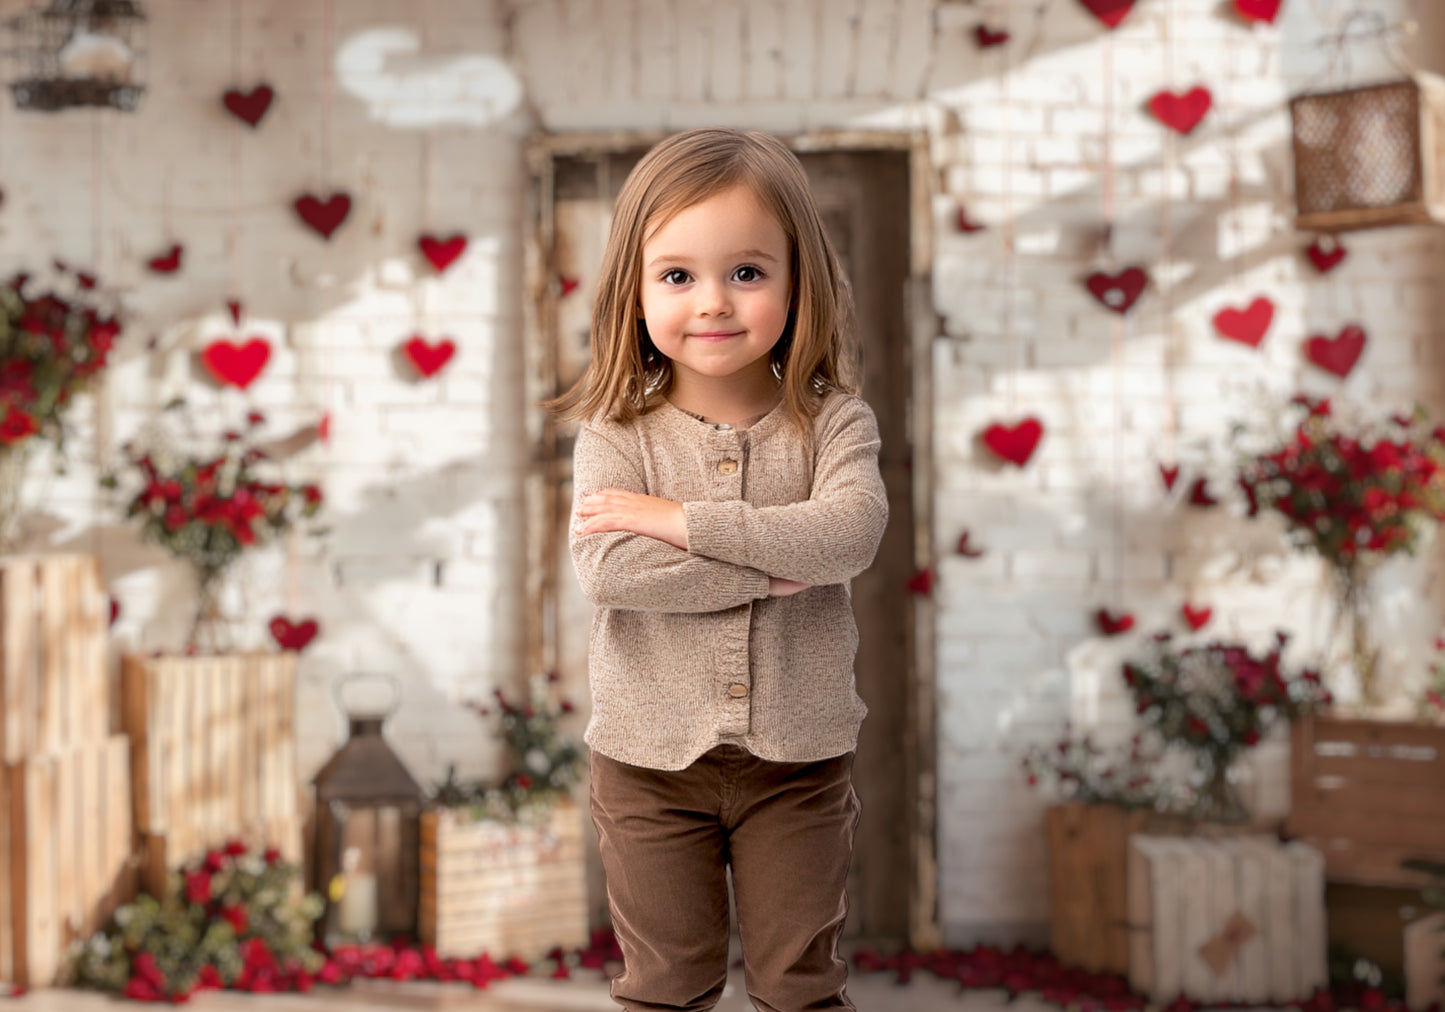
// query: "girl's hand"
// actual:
[[614, 509], [784, 588]]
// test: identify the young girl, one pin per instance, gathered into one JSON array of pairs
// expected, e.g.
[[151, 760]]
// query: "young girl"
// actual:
[[727, 489]]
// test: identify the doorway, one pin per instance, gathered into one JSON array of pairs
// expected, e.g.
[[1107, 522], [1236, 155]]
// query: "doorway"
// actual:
[[867, 200]]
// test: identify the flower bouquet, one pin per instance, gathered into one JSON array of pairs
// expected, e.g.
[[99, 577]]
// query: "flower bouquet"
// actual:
[[208, 507], [1215, 700], [51, 349], [1354, 492]]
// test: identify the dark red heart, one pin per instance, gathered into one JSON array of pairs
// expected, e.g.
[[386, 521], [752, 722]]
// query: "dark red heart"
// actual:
[[1257, 10], [987, 37], [86, 281], [235, 307], [1111, 12], [236, 365], [114, 609], [1337, 354], [965, 223], [921, 582], [1014, 443], [1118, 291], [1170, 476], [1196, 617], [569, 285], [323, 428], [249, 106], [167, 263], [325, 217], [1111, 624], [1199, 494], [1248, 325], [1325, 253], [293, 636], [442, 253], [428, 359], [965, 549], [1181, 112]]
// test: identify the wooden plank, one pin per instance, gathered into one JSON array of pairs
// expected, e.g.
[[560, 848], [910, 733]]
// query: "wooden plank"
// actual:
[[90, 811], [17, 870], [19, 672], [249, 732], [41, 923], [1349, 798], [1279, 918], [52, 732], [1199, 979], [1249, 866], [1423, 831], [135, 725], [67, 833], [1311, 933], [7, 900], [286, 777], [96, 655], [120, 797]]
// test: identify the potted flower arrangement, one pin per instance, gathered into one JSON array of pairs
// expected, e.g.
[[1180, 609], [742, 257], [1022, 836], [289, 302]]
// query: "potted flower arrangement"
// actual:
[[1215, 700], [51, 349], [1354, 492], [209, 506]]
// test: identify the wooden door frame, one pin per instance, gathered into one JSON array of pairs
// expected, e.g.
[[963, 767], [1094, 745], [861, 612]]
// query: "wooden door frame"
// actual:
[[545, 514]]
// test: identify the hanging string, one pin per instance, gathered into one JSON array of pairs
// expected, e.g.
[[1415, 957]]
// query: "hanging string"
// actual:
[[100, 405], [1010, 264], [326, 90], [1171, 420], [1117, 331], [233, 231]]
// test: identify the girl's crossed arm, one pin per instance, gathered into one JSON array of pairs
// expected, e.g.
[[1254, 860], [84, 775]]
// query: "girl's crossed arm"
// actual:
[[620, 568], [828, 538]]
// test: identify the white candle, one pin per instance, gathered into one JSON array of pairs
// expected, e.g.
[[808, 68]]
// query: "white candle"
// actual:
[[356, 913]]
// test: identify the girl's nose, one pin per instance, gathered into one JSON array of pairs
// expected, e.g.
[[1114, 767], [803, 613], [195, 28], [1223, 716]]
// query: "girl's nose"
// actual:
[[712, 299]]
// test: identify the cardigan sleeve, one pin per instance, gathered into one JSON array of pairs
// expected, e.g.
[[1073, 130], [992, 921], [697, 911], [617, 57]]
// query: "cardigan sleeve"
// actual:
[[620, 569], [828, 538]]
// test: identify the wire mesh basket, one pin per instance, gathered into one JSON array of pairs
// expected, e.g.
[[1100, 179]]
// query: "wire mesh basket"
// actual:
[[1371, 156]]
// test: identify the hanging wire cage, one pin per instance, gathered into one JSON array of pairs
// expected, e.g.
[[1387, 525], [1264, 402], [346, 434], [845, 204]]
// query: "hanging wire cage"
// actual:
[[79, 53]]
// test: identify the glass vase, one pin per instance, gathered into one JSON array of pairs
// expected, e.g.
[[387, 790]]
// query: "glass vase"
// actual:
[[1219, 798], [210, 631], [1354, 624], [13, 458]]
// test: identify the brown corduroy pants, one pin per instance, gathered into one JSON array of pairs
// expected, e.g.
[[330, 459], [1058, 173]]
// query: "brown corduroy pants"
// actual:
[[667, 838]]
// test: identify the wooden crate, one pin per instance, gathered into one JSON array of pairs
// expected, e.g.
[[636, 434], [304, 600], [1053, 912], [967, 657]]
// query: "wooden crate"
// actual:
[[1226, 919], [1088, 876], [502, 889], [1368, 794], [1425, 962], [66, 857], [54, 617], [212, 755]]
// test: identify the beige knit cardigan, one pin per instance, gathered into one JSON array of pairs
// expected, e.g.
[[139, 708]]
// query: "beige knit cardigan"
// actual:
[[687, 650]]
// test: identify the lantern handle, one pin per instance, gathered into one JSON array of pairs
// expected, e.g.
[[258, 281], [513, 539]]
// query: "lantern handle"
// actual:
[[338, 684]]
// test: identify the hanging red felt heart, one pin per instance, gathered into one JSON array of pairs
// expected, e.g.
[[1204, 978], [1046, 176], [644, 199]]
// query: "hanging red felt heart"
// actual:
[[249, 106], [569, 285], [965, 549], [166, 263], [1199, 494], [1014, 443], [325, 217], [965, 223], [323, 428], [84, 280], [428, 359], [114, 609], [236, 365], [293, 636], [1181, 113], [987, 37], [1111, 12], [1248, 325], [1170, 476], [235, 307], [1325, 253], [1118, 291], [1257, 10], [921, 582], [1112, 624], [442, 253], [1196, 617], [1337, 354]]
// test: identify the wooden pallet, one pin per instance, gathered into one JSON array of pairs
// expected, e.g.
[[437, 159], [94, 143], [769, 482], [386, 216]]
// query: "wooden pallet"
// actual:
[[54, 616], [212, 755], [65, 855], [1368, 794], [1229, 919], [506, 890]]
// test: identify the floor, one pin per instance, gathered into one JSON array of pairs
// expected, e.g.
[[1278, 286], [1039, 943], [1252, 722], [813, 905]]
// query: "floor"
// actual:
[[871, 992]]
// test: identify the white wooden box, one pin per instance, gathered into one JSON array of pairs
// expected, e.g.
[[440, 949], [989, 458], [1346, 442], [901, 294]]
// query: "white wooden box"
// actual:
[[1226, 919]]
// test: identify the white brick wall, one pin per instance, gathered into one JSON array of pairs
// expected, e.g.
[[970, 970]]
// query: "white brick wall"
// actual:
[[422, 575]]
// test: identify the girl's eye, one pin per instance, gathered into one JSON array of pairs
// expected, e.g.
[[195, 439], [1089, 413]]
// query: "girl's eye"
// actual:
[[748, 273], [675, 276]]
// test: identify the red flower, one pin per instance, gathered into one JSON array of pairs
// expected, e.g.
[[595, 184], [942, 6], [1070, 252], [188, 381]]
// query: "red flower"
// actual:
[[198, 886], [272, 856], [237, 917], [215, 861], [209, 979], [16, 425], [236, 848]]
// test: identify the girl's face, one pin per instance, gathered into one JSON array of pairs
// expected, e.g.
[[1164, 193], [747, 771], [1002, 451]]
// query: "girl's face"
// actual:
[[716, 288]]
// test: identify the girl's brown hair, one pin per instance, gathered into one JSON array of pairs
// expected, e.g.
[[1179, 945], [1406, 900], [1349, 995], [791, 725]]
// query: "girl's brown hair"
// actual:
[[817, 352]]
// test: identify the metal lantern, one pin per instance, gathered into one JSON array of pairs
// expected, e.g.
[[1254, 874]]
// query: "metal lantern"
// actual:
[[1370, 157], [368, 821], [76, 53]]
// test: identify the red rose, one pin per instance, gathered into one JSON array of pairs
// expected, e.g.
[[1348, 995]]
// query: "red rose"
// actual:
[[272, 856], [238, 918], [198, 886], [236, 848], [209, 979], [16, 425], [215, 861]]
